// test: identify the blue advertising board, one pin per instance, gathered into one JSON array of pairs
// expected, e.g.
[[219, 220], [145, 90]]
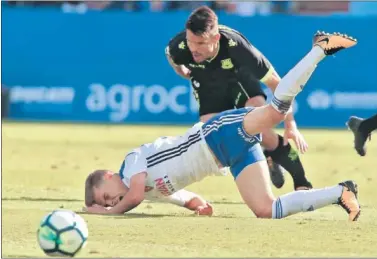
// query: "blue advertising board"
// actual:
[[110, 67]]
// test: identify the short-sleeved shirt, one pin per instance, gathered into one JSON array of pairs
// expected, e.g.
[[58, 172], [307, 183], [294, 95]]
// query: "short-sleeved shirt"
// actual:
[[171, 163], [236, 60]]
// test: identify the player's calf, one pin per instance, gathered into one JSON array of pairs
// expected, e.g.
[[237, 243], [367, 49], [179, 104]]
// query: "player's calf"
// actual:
[[255, 190], [292, 84], [289, 159], [343, 194]]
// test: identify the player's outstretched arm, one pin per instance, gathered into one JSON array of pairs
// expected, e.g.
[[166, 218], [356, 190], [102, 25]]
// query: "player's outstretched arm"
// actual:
[[134, 196], [191, 201]]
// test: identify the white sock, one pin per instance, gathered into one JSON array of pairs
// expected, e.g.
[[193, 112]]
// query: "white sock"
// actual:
[[294, 81], [302, 201]]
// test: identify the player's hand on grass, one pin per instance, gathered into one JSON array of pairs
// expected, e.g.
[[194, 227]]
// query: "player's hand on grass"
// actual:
[[291, 132], [200, 206], [205, 210]]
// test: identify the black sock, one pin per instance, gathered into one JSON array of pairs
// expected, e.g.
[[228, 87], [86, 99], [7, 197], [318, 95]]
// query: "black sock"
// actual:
[[368, 125], [288, 158]]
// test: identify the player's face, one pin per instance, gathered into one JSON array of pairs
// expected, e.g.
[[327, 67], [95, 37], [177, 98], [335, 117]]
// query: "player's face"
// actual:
[[110, 192], [202, 47]]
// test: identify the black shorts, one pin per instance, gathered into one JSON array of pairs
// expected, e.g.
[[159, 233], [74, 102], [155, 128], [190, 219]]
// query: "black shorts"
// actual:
[[222, 97]]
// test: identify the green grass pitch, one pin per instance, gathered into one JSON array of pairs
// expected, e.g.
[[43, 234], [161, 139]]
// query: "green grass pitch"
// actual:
[[45, 165]]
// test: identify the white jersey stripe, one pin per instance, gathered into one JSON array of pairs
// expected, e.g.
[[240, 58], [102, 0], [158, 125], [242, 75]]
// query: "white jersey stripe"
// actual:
[[217, 124], [173, 163], [216, 127], [224, 118], [174, 153], [170, 150]]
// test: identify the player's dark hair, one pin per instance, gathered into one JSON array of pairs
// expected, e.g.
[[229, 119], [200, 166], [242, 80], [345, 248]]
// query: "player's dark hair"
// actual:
[[93, 180], [202, 20]]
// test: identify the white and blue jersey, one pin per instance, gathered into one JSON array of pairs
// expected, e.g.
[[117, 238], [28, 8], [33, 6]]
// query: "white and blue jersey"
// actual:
[[227, 139], [172, 163]]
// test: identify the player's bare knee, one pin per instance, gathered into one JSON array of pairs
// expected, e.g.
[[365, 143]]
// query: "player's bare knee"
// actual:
[[256, 101], [262, 208], [263, 212], [275, 115]]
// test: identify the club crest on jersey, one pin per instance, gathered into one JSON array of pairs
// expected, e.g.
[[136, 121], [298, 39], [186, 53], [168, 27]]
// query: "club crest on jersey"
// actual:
[[232, 43], [226, 63], [164, 186], [182, 45]]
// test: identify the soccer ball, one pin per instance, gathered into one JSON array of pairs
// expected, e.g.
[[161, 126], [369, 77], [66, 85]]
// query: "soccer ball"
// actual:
[[62, 233]]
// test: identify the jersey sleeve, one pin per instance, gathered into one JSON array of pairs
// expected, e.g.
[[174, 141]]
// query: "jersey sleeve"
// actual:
[[248, 57], [133, 164], [177, 49]]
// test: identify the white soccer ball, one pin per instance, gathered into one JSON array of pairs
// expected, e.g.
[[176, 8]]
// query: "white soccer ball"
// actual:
[[62, 233]]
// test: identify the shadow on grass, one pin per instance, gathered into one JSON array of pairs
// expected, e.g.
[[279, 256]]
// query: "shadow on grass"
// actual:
[[40, 199], [228, 202], [133, 215], [80, 200], [129, 215], [18, 256]]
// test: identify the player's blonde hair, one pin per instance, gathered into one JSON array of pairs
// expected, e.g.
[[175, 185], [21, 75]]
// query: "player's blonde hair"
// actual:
[[94, 179]]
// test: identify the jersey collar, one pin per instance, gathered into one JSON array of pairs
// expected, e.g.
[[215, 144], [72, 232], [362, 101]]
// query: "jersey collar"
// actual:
[[217, 53]]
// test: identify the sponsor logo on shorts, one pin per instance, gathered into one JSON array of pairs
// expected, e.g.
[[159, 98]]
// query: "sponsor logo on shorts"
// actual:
[[252, 139], [164, 186]]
